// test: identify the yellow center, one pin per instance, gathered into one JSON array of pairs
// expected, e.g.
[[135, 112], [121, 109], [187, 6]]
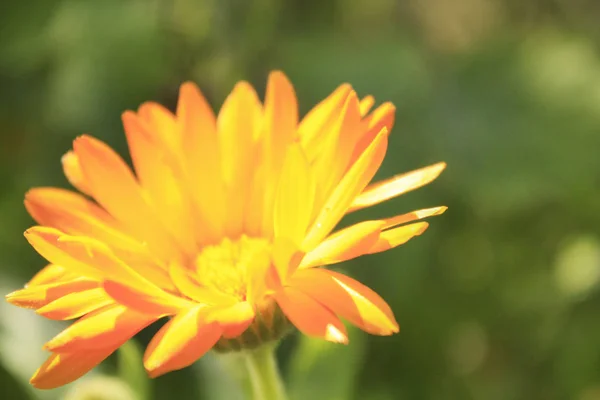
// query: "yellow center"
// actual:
[[229, 266]]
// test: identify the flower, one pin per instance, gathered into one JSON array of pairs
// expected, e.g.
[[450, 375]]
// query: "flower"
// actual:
[[222, 228]]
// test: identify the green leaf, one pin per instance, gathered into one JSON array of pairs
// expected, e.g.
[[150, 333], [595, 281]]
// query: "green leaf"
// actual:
[[131, 369]]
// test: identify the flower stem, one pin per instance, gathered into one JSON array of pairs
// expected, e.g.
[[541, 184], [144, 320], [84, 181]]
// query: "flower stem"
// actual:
[[263, 374]]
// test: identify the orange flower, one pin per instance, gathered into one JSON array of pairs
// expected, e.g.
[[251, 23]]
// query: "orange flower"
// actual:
[[222, 228]]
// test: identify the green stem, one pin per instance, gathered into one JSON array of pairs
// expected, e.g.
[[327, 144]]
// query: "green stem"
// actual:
[[263, 374]]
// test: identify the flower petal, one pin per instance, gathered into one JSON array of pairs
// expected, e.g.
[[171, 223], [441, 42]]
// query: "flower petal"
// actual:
[[397, 236], [400, 184], [310, 317], [414, 215], [202, 161], [295, 196], [51, 273], [180, 342], [110, 326], [351, 184], [189, 287], [233, 319], [36, 296], [62, 368], [73, 172], [76, 304], [345, 244], [348, 299], [238, 124], [365, 104]]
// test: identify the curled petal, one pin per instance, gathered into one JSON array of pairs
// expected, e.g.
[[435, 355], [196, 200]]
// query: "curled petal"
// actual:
[[311, 317], [397, 236], [36, 296]]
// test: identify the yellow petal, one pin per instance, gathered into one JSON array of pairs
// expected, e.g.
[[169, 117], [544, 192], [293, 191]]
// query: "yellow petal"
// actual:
[[180, 342], [397, 236], [62, 368], [280, 123], [310, 317], [76, 304], [51, 273], [108, 327], [36, 296], [345, 244], [385, 190], [347, 298], [238, 124], [231, 316], [295, 196], [414, 215], [73, 172], [365, 105], [382, 117], [355, 180], [286, 256]]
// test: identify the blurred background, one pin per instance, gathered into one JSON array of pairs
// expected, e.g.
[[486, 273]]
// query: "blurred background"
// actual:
[[499, 299]]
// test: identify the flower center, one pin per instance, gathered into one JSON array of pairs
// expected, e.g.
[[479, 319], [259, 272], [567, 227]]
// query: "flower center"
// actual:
[[230, 265]]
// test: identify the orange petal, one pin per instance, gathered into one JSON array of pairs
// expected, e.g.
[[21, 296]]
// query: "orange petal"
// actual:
[[62, 368], [385, 190], [74, 305], [76, 215], [108, 327], [238, 124], [280, 122], [397, 236], [382, 117], [117, 190], [91, 258], [347, 298], [345, 244], [36, 296], [73, 172], [145, 301], [309, 316], [295, 196], [351, 184], [155, 169], [163, 123], [180, 342], [202, 160]]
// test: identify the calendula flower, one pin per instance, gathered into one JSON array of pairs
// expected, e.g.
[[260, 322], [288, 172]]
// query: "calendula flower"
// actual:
[[222, 229]]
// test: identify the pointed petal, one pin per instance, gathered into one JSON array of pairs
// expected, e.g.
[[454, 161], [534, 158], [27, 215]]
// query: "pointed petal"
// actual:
[[36, 296], [365, 105], [62, 368], [397, 236], [233, 319], [347, 298], [345, 244], [108, 327], [414, 215], [238, 124], [180, 342], [351, 184], [382, 117], [310, 317], [74, 305], [295, 196], [117, 190], [51, 273], [202, 160], [73, 172], [145, 301], [400, 184]]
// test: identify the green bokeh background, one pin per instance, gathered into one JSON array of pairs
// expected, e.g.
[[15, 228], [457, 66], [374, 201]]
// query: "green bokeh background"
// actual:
[[498, 300]]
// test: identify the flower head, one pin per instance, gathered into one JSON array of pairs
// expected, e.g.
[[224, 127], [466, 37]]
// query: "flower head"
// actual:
[[222, 228]]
